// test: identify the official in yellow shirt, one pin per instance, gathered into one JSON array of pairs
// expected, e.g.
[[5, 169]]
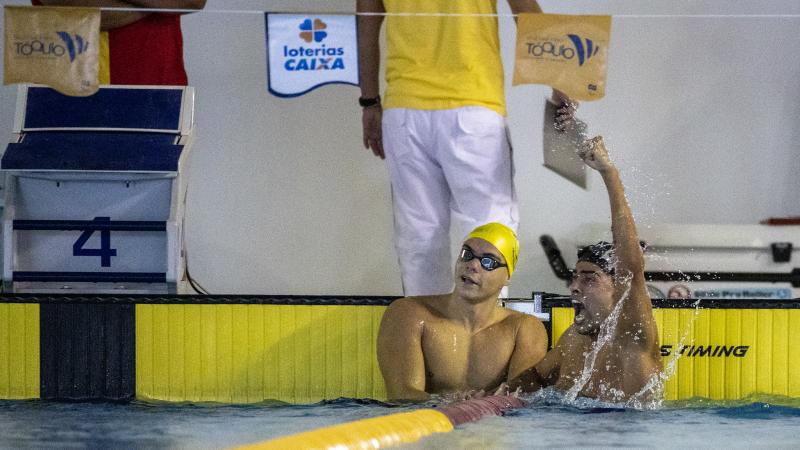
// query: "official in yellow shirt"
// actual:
[[441, 125]]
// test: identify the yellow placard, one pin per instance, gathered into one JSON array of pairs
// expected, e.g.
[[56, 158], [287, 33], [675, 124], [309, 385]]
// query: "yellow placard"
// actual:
[[567, 52], [53, 46]]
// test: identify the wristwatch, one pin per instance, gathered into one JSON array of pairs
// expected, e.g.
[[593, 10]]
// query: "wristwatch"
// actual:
[[367, 102]]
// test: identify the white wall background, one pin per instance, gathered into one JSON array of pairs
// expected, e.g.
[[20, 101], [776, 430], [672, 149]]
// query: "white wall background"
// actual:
[[701, 114]]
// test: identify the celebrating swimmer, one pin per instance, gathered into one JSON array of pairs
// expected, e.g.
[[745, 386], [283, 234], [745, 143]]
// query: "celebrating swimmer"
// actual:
[[462, 341], [610, 352]]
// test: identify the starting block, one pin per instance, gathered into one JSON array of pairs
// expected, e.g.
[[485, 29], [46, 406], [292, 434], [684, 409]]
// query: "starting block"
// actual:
[[95, 191]]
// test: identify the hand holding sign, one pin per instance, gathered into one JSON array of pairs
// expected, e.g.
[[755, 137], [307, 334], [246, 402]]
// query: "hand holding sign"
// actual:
[[568, 53], [562, 145], [565, 114]]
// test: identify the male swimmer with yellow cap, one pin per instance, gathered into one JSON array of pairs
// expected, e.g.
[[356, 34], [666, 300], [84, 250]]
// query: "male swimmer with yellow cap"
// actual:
[[462, 341], [611, 350]]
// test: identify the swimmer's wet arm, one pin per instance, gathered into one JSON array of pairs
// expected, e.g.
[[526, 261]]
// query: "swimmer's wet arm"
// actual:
[[637, 313], [400, 352], [543, 374], [630, 259], [530, 347]]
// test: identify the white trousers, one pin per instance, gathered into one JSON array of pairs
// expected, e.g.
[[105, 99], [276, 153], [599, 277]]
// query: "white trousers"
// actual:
[[445, 165]]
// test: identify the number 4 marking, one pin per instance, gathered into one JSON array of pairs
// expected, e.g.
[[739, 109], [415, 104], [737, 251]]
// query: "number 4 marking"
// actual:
[[105, 252]]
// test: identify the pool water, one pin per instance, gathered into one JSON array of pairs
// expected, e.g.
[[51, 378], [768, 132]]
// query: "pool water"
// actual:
[[549, 421], [588, 424]]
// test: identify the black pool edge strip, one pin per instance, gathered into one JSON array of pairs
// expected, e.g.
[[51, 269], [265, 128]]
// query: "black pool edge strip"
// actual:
[[692, 303], [549, 301], [150, 299]]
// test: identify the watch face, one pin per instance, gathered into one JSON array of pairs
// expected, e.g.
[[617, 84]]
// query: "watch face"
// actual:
[[364, 102]]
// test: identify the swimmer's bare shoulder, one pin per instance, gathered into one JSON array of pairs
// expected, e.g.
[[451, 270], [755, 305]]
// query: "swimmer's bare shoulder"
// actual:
[[407, 314], [400, 348]]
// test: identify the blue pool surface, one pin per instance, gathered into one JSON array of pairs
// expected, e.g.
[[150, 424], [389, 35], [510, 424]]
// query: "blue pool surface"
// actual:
[[546, 422]]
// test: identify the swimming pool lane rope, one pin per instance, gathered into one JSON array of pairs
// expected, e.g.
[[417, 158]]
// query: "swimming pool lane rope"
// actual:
[[394, 429], [428, 14]]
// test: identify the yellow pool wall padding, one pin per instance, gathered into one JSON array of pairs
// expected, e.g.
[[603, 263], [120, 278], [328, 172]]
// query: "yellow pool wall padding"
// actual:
[[19, 351], [376, 432], [252, 353], [771, 364], [305, 354]]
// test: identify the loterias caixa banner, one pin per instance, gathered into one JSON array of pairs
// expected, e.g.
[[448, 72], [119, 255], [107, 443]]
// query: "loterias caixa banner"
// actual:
[[305, 52]]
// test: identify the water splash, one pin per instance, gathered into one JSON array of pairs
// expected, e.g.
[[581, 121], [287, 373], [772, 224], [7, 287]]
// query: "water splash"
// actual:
[[607, 330], [651, 396], [550, 396], [648, 190]]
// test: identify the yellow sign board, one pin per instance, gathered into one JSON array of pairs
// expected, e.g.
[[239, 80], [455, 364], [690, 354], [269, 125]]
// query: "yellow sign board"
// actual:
[[54, 46], [566, 52]]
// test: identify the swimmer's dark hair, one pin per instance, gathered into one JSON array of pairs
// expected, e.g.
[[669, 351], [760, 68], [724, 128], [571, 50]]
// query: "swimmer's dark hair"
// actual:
[[600, 254]]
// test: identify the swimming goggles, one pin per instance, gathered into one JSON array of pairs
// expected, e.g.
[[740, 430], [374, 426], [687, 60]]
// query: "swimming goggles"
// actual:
[[487, 262]]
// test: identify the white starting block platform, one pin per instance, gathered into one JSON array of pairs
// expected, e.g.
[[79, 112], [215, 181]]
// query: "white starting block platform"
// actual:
[[95, 191], [716, 261]]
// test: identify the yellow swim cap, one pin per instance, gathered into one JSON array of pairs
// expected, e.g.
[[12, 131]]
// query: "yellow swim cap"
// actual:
[[503, 238]]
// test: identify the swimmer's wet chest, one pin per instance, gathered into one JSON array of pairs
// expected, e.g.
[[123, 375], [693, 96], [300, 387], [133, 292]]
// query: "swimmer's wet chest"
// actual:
[[614, 371], [455, 356]]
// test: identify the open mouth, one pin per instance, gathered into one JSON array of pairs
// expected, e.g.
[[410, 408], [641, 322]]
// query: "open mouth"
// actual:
[[579, 311], [468, 281]]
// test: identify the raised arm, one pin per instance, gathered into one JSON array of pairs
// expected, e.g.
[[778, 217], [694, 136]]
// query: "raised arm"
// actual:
[[637, 312], [369, 57], [400, 351]]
